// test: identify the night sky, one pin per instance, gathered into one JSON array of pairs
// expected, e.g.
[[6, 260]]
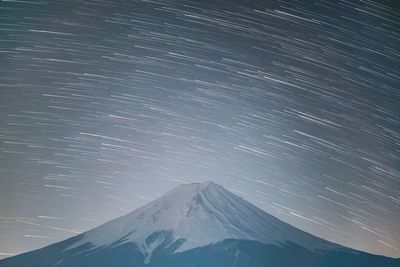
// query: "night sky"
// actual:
[[293, 105]]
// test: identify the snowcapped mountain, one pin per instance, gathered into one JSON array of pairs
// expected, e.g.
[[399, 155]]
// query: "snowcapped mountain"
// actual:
[[197, 225], [198, 215]]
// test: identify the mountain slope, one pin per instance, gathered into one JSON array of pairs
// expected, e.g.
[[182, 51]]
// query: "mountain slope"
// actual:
[[198, 215], [197, 225]]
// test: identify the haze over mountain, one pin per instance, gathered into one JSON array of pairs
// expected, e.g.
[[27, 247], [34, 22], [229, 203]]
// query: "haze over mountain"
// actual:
[[200, 224]]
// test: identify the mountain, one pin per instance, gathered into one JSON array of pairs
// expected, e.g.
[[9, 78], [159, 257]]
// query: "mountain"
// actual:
[[198, 225]]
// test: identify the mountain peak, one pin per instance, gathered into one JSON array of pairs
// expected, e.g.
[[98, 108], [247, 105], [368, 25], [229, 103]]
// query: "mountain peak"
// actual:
[[194, 188], [203, 220], [198, 187], [196, 215], [187, 195]]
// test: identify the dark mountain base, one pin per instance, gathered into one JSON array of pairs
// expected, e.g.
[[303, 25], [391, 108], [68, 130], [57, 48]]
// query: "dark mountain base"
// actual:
[[241, 253], [236, 253]]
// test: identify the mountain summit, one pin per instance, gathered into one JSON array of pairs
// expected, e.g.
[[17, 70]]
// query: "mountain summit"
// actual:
[[200, 224], [196, 215]]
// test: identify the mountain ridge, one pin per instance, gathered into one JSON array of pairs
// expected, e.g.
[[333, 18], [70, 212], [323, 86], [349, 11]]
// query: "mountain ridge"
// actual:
[[200, 224], [199, 214]]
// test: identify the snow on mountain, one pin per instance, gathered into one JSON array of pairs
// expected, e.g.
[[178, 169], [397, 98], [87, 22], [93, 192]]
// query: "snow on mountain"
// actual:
[[197, 215], [197, 225]]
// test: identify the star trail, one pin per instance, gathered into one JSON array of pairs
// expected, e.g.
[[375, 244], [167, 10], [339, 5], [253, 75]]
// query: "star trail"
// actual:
[[293, 105]]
